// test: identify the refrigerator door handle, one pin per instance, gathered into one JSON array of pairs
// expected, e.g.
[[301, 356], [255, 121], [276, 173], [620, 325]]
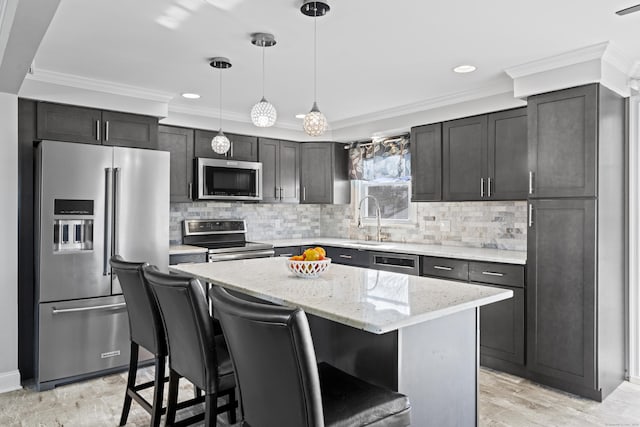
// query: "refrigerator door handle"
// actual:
[[96, 307], [116, 207], [108, 209]]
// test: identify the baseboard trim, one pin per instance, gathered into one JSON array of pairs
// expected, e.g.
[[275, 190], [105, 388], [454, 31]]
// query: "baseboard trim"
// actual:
[[634, 380], [9, 381]]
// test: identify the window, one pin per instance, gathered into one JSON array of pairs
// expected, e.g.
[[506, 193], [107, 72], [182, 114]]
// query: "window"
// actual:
[[394, 199]]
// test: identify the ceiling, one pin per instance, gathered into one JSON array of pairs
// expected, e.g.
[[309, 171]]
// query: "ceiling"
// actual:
[[373, 55]]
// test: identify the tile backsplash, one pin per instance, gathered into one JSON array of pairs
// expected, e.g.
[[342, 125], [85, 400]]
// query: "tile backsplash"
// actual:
[[501, 225]]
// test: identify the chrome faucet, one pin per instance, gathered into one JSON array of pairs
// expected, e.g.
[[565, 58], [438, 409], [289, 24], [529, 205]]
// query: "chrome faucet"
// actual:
[[377, 214]]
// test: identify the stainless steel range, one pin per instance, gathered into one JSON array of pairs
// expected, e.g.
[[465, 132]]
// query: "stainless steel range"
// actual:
[[225, 239]]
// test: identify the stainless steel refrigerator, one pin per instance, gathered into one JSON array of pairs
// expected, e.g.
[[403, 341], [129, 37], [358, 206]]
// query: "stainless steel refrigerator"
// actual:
[[92, 202]]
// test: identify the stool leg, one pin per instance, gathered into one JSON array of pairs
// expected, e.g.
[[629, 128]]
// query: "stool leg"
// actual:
[[158, 389], [210, 406], [172, 397], [131, 382], [231, 415]]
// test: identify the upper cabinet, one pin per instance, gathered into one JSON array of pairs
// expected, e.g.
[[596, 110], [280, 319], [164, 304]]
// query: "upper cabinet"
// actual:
[[280, 170], [485, 157], [562, 143], [244, 148], [323, 175], [426, 163], [179, 143], [91, 126], [464, 146]]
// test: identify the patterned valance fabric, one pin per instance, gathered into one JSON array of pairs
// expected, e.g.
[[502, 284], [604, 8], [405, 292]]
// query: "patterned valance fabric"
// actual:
[[381, 160]]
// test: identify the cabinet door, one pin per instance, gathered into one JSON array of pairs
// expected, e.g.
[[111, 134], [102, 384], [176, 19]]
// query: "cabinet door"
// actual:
[[508, 171], [355, 257], [129, 130], [68, 123], [287, 251], [464, 158], [502, 328], [244, 148], [316, 172], [179, 143], [202, 145], [561, 290], [269, 150], [426, 163], [289, 172], [562, 142]]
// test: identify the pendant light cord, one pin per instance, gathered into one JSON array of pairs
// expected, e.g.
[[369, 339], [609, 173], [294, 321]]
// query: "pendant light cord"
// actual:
[[220, 103], [263, 47], [315, 56]]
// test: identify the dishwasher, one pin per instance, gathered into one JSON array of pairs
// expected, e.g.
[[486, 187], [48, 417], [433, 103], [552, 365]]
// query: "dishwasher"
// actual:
[[398, 263]]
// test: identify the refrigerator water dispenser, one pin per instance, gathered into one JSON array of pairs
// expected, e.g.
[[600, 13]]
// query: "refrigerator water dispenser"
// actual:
[[73, 225]]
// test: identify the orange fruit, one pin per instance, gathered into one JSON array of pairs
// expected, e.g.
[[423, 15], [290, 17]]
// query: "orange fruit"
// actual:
[[296, 258], [311, 255], [321, 251]]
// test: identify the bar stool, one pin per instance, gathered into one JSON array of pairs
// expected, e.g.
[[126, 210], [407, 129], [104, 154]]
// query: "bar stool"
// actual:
[[279, 382], [195, 352], [145, 329]]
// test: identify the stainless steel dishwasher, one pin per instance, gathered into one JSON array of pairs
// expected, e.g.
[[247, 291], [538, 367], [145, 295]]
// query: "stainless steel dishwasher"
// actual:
[[398, 263]]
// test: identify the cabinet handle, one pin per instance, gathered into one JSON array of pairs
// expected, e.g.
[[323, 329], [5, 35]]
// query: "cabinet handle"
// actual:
[[304, 193], [231, 149], [530, 182], [190, 190], [439, 267], [491, 273], [481, 187], [97, 130], [283, 255], [276, 192], [530, 215], [106, 130], [488, 187], [345, 256], [281, 189]]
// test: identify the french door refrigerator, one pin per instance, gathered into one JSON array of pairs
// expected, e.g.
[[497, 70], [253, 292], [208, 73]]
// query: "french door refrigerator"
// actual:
[[92, 202]]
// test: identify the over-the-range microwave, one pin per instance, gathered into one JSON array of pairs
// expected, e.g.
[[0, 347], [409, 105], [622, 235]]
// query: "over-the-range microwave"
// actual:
[[221, 179]]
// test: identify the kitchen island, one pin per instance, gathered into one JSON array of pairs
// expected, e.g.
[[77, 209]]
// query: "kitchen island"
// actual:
[[417, 335]]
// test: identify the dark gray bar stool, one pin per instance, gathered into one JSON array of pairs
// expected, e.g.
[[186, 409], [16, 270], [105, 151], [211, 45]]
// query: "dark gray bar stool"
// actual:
[[279, 382], [195, 352], [145, 328]]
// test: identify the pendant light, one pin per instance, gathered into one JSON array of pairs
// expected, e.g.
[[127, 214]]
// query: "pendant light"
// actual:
[[315, 123], [220, 143], [263, 114]]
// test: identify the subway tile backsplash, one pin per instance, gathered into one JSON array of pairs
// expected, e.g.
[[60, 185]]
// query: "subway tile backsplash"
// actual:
[[501, 225]]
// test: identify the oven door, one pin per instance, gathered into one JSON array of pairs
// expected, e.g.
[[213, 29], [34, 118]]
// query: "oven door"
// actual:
[[266, 253], [229, 180]]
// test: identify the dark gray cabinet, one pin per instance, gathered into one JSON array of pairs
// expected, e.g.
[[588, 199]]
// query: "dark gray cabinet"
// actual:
[[348, 256], [576, 240], [175, 259], [485, 157], [507, 168], [561, 256], [179, 143], [92, 126], [426, 163], [243, 147], [445, 268], [563, 128], [464, 164], [323, 173], [287, 251], [280, 170]]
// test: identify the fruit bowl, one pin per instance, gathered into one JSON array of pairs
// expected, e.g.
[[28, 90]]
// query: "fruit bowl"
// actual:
[[308, 269]]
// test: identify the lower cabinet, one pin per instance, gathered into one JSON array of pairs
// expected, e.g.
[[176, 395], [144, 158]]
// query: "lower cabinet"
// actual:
[[287, 251], [185, 258], [354, 257]]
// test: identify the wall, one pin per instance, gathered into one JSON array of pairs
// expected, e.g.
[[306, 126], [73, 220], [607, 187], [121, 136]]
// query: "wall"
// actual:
[[9, 375], [477, 224]]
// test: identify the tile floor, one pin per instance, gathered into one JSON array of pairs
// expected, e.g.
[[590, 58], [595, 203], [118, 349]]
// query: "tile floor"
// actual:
[[505, 400]]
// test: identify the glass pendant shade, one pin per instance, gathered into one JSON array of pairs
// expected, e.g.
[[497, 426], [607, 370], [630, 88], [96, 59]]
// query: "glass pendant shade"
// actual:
[[264, 114], [315, 123], [220, 143]]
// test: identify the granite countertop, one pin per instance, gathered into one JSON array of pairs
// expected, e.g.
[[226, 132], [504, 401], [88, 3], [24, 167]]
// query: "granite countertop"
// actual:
[[186, 249], [459, 252], [372, 300]]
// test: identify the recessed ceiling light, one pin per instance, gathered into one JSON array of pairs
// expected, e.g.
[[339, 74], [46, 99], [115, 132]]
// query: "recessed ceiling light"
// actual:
[[464, 69], [190, 95], [300, 116]]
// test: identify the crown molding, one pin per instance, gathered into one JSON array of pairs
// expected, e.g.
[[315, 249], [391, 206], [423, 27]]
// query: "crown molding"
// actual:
[[226, 115], [427, 104], [576, 56], [80, 82]]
